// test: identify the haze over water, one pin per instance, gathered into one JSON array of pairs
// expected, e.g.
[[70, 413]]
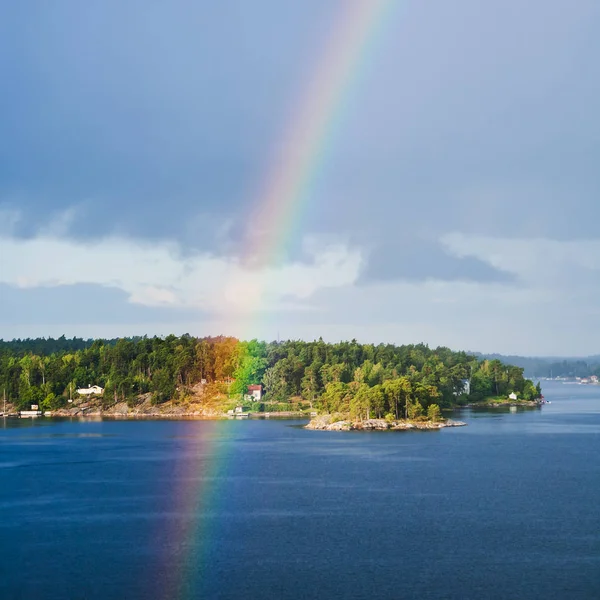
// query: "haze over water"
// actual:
[[504, 508]]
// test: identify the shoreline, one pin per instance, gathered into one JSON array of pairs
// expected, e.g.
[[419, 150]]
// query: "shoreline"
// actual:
[[172, 409], [122, 411], [156, 416], [524, 403]]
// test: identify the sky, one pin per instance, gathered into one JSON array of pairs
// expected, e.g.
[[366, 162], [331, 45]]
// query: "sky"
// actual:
[[449, 194]]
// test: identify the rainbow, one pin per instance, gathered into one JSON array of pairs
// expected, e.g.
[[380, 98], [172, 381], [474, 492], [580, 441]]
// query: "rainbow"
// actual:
[[199, 470], [286, 188], [305, 144]]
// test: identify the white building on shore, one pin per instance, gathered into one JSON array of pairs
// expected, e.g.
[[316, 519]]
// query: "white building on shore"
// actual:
[[88, 391]]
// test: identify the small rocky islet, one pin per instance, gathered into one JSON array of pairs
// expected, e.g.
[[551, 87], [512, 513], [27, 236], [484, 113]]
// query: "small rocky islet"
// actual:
[[329, 423]]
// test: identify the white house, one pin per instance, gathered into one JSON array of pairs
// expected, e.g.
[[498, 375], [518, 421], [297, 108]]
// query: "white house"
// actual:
[[255, 392], [94, 389], [512, 396]]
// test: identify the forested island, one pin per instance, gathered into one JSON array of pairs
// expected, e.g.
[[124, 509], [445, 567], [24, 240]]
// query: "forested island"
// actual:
[[211, 376], [551, 367]]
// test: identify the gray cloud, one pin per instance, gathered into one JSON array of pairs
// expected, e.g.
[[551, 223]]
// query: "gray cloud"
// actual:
[[146, 118], [416, 260], [164, 122], [79, 304]]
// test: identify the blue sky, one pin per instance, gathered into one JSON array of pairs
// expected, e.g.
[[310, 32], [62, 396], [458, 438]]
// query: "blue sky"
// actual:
[[457, 203]]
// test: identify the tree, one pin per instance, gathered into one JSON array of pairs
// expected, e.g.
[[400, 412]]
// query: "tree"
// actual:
[[377, 400], [311, 382], [398, 392], [275, 383], [335, 397], [225, 357], [360, 405], [425, 394], [434, 413], [415, 410], [163, 386], [345, 377]]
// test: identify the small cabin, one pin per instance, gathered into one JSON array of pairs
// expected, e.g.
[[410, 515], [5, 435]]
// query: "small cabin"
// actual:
[[92, 390], [255, 392], [512, 396]]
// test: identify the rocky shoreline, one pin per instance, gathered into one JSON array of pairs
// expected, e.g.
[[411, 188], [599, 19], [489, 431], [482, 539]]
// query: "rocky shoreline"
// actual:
[[168, 410], [124, 412], [328, 423], [146, 410]]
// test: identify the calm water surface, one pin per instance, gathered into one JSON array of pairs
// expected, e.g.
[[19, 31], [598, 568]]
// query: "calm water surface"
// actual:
[[504, 508]]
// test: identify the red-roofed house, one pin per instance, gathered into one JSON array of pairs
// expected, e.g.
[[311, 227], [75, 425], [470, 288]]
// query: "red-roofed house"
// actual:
[[255, 391]]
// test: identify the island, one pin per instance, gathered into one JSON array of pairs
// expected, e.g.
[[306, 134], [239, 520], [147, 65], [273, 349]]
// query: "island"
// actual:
[[331, 423], [361, 386]]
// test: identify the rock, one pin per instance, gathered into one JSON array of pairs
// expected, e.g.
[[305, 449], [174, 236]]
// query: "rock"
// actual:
[[340, 426], [320, 422], [374, 424], [324, 423]]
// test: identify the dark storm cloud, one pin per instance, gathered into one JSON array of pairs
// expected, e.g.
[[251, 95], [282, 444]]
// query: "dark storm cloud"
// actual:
[[144, 115], [149, 117]]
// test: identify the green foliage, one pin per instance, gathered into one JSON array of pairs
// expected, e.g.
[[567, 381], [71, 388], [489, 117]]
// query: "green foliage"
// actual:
[[434, 413], [250, 364], [163, 386], [529, 392], [415, 410], [352, 379]]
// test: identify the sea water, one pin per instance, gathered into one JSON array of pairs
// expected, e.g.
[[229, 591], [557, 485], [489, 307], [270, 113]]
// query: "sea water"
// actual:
[[507, 507]]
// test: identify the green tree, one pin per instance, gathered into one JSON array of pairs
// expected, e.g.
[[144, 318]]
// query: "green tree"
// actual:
[[397, 392], [377, 400], [434, 413], [415, 410], [163, 386]]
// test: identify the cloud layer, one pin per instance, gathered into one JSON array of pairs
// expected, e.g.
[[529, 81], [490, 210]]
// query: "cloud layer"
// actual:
[[159, 275], [550, 291], [455, 198]]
